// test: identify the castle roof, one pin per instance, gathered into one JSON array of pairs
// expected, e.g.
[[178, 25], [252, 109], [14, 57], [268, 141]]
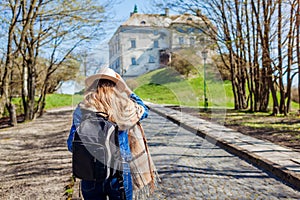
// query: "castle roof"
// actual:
[[160, 20]]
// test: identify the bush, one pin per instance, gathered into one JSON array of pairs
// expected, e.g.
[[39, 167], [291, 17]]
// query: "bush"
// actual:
[[181, 65]]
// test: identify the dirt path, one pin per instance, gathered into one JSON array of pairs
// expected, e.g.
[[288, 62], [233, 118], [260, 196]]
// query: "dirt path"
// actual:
[[35, 163]]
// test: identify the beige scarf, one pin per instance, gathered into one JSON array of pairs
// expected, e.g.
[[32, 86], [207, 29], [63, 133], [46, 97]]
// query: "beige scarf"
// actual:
[[142, 169], [143, 172]]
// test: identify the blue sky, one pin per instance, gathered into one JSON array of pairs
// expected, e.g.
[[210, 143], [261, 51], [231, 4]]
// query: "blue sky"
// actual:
[[125, 7], [122, 11]]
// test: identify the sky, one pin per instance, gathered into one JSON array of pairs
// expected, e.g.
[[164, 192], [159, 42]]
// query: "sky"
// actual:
[[125, 7]]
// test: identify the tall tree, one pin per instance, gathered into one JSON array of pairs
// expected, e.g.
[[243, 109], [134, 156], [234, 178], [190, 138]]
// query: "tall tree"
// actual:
[[282, 107], [51, 31], [298, 50], [260, 38], [5, 92], [290, 52]]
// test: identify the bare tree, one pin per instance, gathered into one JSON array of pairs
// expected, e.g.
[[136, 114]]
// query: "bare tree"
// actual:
[[298, 50], [282, 107], [49, 31], [5, 100], [290, 52], [249, 31]]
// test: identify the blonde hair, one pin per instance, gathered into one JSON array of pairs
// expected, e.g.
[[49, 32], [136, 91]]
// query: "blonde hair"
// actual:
[[106, 98]]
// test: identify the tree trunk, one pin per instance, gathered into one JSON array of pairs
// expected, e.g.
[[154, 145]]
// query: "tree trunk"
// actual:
[[290, 58], [264, 91], [31, 92], [6, 79], [42, 100], [12, 113], [298, 52], [257, 33], [250, 77], [240, 59], [25, 90], [266, 82], [233, 81], [267, 62], [282, 106]]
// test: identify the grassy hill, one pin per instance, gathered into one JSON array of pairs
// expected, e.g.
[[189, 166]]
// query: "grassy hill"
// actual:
[[61, 100], [166, 86]]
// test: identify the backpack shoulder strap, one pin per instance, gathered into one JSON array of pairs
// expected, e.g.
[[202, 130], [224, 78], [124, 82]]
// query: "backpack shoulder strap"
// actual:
[[86, 112], [102, 114]]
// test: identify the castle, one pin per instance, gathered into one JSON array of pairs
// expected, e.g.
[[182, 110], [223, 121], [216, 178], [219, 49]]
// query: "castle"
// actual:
[[143, 43]]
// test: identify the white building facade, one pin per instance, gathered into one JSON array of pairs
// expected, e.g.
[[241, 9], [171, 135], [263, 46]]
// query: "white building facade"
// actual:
[[137, 45]]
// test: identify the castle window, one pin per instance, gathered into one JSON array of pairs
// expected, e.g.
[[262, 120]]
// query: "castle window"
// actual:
[[181, 40], [118, 63], [192, 41], [151, 59], [133, 61], [155, 44], [190, 30], [133, 43]]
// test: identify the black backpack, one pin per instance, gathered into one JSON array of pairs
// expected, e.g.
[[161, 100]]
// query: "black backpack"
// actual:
[[96, 150]]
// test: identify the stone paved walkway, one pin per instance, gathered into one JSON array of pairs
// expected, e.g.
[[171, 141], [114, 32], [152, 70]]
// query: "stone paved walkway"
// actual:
[[35, 164], [192, 168], [282, 162]]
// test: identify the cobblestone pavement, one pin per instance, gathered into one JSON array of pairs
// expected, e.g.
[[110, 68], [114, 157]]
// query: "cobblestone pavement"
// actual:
[[191, 168], [35, 164]]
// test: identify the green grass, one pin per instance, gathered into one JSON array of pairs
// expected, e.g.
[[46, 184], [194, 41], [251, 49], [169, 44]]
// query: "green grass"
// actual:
[[162, 94], [166, 86], [295, 106], [52, 101], [61, 100], [272, 125]]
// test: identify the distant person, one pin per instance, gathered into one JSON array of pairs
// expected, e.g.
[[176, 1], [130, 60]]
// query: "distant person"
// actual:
[[107, 92]]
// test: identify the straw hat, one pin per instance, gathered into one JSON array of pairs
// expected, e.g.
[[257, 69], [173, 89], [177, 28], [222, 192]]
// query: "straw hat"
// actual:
[[105, 73]]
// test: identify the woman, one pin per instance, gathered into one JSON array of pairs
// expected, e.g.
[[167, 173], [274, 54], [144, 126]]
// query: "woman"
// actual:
[[107, 92]]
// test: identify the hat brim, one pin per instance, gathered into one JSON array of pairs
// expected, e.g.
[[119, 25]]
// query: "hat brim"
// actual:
[[90, 80]]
